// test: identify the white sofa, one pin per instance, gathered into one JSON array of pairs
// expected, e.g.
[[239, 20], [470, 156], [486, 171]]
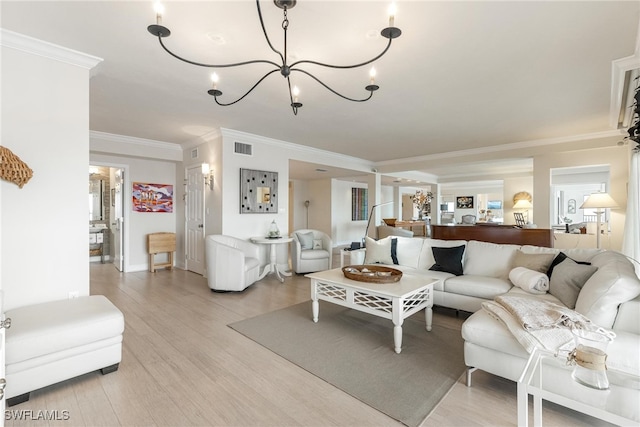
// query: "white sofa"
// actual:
[[609, 298], [232, 264]]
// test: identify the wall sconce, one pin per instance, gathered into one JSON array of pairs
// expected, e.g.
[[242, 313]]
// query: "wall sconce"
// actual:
[[207, 173]]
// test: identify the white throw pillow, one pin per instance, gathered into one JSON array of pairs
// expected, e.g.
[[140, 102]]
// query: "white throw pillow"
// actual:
[[378, 251], [317, 244]]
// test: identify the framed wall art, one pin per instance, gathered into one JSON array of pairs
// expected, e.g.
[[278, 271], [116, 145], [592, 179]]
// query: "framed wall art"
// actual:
[[152, 197], [258, 191], [359, 204], [464, 202]]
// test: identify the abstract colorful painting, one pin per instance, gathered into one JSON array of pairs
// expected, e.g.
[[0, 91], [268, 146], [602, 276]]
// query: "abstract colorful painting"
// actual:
[[152, 197]]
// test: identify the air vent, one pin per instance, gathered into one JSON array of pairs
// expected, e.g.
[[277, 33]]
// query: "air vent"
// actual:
[[241, 148]]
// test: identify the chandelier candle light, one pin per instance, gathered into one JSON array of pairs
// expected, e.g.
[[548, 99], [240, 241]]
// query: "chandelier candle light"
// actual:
[[390, 33]]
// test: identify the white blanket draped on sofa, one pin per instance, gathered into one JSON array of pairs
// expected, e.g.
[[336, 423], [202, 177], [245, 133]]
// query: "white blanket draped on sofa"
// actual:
[[535, 323]]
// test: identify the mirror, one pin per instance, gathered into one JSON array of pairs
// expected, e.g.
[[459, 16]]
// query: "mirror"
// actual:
[[96, 207], [258, 191]]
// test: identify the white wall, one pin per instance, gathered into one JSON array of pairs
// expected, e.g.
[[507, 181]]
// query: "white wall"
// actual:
[[344, 230], [45, 121], [319, 195]]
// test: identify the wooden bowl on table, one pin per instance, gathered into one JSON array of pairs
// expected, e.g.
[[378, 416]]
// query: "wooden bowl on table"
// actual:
[[372, 273], [391, 222]]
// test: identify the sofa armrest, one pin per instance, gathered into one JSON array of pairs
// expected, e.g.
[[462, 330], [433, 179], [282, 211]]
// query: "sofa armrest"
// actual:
[[628, 318]]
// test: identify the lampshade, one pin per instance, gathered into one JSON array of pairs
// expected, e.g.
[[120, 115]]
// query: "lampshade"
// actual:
[[523, 204], [599, 201]]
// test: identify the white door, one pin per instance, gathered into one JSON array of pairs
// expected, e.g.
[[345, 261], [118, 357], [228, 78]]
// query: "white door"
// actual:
[[194, 205], [118, 223]]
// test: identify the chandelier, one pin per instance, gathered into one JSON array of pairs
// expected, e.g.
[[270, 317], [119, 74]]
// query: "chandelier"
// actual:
[[283, 67]]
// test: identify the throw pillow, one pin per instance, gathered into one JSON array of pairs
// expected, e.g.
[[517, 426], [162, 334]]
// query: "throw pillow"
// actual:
[[559, 258], [567, 280], [317, 243], [535, 262], [378, 252], [306, 240], [394, 250], [448, 259]]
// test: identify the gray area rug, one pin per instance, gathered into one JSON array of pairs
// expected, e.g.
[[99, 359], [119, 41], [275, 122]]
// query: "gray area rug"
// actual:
[[354, 352]]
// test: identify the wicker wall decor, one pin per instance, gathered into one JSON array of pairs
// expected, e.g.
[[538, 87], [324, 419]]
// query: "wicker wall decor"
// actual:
[[13, 169]]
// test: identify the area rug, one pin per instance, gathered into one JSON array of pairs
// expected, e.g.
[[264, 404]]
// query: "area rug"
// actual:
[[354, 352]]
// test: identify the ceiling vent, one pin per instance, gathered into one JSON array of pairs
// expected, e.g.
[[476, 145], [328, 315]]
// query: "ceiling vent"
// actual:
[[246, 149]]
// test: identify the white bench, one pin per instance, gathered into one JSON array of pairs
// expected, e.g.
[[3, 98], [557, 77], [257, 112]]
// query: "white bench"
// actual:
[[58, 340]]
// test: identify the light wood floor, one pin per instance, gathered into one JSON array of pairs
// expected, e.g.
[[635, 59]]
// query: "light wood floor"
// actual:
[[182, 365]]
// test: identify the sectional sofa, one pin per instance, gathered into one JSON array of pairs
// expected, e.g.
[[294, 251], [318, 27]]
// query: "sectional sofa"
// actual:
[[608, 297]]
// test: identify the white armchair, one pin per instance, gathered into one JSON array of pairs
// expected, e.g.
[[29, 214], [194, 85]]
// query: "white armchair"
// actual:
[[305, 258], [232, 264]]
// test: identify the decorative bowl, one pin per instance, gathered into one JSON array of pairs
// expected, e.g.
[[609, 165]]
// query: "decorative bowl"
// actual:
[[391, 222], [372, 273]]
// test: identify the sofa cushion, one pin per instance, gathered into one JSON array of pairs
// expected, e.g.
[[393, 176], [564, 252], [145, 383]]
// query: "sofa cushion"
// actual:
[[448, 260], [567, 280], [614, 283], [306, 240], [477, 286], [314, 254], [536, 262], [378, 252], [489, 259]]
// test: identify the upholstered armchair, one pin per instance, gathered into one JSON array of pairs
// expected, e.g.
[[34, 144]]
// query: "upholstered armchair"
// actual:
[[232, 264], [310, 251], [468, 219]]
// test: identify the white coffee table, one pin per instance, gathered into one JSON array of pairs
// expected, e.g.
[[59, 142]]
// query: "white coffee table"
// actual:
[[547, 377], [394, 301]]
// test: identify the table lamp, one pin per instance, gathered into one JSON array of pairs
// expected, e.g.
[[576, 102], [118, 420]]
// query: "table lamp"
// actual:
[[525, 205]]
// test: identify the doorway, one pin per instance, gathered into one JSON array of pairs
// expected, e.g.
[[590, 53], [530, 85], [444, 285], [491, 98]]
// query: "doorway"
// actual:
[[107, 209]]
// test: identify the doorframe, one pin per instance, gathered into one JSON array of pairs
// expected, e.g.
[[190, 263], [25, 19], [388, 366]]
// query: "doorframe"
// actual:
[[126, 208]]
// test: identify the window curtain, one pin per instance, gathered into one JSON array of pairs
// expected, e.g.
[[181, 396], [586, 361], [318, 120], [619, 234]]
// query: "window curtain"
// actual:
[[631, 239]]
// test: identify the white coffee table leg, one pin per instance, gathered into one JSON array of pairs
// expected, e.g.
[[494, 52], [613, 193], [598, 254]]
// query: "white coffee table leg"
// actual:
[[428, 317], [397, 336], [315, 307]]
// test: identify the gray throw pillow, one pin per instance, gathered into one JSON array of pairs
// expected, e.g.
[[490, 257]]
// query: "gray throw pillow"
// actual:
[[306, 240], [567, 279]]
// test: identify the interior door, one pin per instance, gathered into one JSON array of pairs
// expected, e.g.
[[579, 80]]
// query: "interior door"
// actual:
[[194, 205], [118, 223]]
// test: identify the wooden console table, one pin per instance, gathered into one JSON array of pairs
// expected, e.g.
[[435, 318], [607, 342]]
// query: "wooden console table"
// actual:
[[502, 234], [411, 224]]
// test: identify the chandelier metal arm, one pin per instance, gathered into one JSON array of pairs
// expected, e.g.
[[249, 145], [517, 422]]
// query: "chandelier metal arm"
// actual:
[[248, 92], [266, 36], [200, 64], [332, 90], [306, 61]]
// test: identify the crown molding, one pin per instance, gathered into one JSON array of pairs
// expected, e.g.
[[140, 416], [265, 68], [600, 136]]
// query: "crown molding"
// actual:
[[355, 162], [620, 86], [503, 147], [45, 49], [148, 143], [207, 137]]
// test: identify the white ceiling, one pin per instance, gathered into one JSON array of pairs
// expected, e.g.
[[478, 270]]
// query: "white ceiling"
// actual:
[[463, 75]]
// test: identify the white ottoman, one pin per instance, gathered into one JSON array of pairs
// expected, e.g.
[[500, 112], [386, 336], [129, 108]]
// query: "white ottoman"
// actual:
[[54, 341]]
